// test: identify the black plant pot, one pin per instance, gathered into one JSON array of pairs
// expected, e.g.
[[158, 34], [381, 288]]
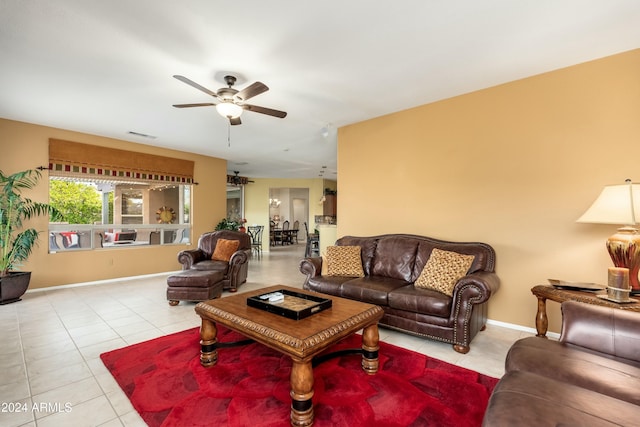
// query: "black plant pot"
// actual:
[[13, 286]]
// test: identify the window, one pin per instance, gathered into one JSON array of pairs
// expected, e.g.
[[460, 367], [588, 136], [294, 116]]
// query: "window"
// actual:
[[132, 206], [117, 198], [116, 214]]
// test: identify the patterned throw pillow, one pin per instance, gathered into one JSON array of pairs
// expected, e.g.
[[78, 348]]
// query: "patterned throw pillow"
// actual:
[[443, 270], [344, 261], [224, 249]]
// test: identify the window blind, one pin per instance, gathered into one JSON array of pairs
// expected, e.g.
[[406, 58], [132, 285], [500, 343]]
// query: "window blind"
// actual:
[[74, 159]]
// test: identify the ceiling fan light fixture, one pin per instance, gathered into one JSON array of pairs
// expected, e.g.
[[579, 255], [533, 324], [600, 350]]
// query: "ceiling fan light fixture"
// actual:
[[231, 101], [229, 110]]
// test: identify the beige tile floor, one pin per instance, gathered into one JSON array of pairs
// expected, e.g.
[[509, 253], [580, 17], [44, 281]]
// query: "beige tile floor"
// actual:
[[50, 342]]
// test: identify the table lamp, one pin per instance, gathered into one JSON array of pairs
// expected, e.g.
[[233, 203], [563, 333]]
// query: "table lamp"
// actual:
[[620, 204]]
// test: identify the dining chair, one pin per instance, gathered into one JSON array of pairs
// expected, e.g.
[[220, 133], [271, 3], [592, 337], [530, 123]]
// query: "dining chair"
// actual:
[[286, 233], [272, 233], [294, 231], [255, 231], [313, 243]]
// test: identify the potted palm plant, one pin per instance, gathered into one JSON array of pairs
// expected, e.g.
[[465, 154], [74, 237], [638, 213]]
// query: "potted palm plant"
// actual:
[[16, 243]]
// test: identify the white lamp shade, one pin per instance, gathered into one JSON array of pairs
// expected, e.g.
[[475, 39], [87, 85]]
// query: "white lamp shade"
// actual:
[[617, 204], [229, 109]]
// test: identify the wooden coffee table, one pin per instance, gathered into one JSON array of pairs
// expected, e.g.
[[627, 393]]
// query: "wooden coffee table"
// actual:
[[302, 340]]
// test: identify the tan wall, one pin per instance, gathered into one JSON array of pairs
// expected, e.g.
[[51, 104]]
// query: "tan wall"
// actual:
[[25, 146], [513, 165]]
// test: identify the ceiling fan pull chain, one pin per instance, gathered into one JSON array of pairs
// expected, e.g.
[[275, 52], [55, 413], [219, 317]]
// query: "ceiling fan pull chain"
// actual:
[[229, 135]]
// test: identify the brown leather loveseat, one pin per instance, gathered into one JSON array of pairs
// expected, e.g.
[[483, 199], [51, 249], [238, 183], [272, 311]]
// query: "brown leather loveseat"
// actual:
[[590, 377], [391, 265]]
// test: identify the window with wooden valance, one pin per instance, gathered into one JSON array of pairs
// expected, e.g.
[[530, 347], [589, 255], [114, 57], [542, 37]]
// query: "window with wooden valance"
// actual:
[[73, 159]]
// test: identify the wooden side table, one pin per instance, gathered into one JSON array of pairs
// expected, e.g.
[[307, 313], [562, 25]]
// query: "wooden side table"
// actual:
[[544, 292]]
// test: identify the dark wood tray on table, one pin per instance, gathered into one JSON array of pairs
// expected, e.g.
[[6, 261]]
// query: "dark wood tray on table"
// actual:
[[294, 306]]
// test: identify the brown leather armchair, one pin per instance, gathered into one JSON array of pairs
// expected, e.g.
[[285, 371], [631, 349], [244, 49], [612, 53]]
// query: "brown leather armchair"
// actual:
[[235, 270], [589, 377]]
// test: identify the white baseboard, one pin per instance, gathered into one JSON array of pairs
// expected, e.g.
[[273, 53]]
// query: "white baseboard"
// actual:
[[520, 328], [101, 282]]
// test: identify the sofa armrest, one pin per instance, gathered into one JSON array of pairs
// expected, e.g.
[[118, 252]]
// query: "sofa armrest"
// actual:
[[189, 257], [603, 329], [239, 257], [311, 267], [477, 287], [237, 271]]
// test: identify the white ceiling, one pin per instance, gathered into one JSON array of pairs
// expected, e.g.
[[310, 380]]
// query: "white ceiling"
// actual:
[[106, 67]]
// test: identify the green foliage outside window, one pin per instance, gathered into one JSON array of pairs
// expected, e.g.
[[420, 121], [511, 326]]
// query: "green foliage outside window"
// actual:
[[79, 203]]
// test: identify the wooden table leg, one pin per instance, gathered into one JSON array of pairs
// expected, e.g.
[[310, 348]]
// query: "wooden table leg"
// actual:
[[301, 393], [542, 322], [370, 347], [208, 341]]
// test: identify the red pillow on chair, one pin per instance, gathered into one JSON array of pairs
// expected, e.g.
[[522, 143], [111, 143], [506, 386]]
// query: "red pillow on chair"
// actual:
[[224, 249]]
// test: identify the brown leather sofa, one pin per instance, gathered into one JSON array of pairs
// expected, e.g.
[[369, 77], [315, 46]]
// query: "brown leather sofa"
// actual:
[[235, 271], [392, 263], [590, 377]]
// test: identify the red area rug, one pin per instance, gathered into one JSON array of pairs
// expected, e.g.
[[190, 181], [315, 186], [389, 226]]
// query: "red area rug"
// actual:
[[249, 386]]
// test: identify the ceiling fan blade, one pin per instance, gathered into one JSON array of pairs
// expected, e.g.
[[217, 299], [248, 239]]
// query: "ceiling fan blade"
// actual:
[[196, 85], [250, 91], [235, 121], [206, 104], [264, 110]]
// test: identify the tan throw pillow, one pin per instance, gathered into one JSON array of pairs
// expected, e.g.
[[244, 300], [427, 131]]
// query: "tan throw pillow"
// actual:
[[224, 249], [443, 270], [344, 261]]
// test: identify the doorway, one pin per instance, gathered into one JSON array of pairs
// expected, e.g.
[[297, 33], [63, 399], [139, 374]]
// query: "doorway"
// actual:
[[235, 202], [289, 204]]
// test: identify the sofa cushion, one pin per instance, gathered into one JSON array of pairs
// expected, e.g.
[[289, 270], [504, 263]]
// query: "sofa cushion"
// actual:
[[367, 246], [211, 265], [526, 399], [370, 289], [572, 365], [344, 261], [484, 255], [195, 279], [416, 300], [443, 270], [331, 285], [224, 249], [208, 241], [593, 332], [394, 257]]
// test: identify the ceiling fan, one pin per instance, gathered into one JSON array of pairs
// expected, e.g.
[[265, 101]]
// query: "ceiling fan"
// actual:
[[231, 102], [237, 179]]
